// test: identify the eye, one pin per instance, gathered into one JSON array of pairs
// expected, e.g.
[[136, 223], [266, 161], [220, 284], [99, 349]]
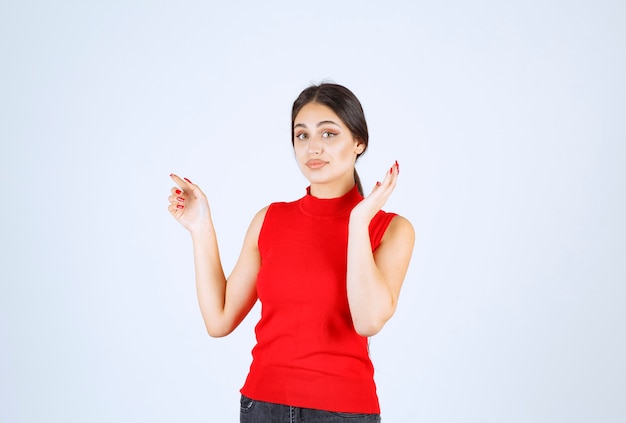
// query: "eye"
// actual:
[[327, 134], [301, 136]]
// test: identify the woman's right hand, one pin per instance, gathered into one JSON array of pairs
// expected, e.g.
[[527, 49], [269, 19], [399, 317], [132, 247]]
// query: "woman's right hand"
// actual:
[[189, 205]]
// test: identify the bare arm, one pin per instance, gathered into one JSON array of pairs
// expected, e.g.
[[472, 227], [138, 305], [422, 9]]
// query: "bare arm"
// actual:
[[223, 302], [374, 279]]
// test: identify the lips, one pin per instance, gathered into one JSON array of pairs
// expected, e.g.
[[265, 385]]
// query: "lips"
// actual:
[[316, 164]]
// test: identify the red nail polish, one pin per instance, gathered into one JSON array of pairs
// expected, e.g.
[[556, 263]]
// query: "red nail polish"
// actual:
[[188, 180], [178, 192], [180, 206], [180, 199], [391, 170], [377, 184]]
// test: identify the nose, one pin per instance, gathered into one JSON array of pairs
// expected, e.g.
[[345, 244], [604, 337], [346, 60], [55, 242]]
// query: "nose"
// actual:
[[316, 145]]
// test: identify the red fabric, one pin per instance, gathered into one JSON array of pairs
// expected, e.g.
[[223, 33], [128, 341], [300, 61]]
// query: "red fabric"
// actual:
[[308, 353]]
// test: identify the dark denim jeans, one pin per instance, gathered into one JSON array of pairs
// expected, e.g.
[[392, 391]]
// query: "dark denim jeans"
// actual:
[[264, 412]]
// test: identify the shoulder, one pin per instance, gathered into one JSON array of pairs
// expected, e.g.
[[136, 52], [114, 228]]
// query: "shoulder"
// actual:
[[400, 223], [259, 217], [399, 231], [257, 222], [270, 213], [387, 226], [279, 209]]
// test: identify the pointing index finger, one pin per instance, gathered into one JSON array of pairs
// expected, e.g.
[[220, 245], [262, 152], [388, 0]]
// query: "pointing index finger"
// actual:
[[186, 186]]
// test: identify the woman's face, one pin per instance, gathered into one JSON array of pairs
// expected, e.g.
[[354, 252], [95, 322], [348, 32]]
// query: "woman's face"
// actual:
[[324, 147]]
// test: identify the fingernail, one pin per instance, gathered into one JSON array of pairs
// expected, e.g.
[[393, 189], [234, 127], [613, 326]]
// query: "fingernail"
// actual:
[[180, 199], [391, 170], [377, 184], [178, 192], [398, 166], [180, 206], [188, 180]]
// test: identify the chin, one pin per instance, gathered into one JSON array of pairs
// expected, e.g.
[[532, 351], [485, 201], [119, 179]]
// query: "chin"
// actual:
[[313, 176], [316, 179]]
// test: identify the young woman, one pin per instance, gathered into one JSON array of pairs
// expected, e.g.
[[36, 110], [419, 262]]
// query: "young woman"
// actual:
[[327, 269]]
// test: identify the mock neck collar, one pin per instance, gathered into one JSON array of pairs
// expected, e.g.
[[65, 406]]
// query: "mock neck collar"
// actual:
[[328, 207]]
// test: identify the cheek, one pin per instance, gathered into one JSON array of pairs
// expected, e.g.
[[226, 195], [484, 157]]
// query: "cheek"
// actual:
[[349, 152], [300, 153], [298, 149]]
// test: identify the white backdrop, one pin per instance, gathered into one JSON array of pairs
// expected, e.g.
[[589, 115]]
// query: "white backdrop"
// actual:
[[508, 123]]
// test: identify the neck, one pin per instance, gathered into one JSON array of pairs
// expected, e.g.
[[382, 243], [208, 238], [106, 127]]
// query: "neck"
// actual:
[[332, 190]]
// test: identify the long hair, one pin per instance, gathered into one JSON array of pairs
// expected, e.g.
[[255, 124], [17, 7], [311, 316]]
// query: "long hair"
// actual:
[[345, 105]]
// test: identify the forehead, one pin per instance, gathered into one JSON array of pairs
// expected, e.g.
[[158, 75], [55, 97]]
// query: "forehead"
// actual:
[[313, 113]]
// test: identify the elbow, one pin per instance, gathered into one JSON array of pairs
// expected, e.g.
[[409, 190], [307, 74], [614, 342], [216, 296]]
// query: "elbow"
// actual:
[[216, 334], [370, 323], [371, 326], [216, 331], [367, 330]]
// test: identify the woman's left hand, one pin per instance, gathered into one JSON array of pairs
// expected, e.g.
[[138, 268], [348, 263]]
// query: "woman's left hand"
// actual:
[[370, 205]]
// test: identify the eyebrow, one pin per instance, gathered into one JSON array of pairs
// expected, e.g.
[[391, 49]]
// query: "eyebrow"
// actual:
[[324, 122]]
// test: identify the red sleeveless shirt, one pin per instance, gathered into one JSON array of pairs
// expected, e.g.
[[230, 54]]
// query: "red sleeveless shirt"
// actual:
[[308, 353]]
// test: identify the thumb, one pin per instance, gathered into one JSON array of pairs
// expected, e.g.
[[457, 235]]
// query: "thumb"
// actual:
[[376, 186], [187, 185]]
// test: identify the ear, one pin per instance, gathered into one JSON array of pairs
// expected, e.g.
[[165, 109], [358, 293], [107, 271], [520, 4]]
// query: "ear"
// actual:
[[359, 147]]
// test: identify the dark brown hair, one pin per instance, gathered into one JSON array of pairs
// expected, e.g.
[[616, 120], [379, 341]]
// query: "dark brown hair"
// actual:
[[345, 105]]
